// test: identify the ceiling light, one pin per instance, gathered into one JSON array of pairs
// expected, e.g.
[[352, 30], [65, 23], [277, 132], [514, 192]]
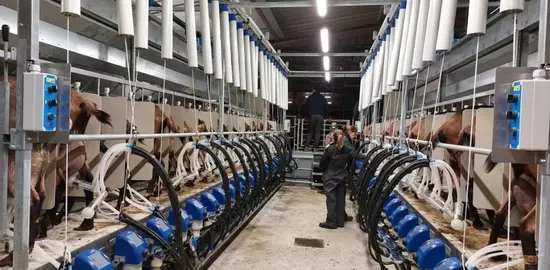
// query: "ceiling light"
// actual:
[[326, 63], [322, 7], [327, 76], [324, 39]]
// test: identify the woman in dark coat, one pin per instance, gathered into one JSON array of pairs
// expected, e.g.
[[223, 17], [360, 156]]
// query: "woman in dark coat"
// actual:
[[333, 163]]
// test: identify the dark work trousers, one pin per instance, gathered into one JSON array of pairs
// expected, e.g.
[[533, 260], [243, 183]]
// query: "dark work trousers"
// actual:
[[336, 202], [315, 126]]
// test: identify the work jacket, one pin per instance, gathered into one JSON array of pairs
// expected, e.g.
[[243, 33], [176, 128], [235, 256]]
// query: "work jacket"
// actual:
[[334, 165]]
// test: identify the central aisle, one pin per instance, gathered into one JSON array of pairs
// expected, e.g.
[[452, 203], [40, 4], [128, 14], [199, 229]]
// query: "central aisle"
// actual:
[[268, 242]]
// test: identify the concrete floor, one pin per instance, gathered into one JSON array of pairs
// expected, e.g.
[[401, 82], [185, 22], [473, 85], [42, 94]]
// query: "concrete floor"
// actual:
[[268, 241]]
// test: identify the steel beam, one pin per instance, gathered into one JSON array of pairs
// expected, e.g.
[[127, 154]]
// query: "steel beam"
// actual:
[[271, 21], [28, 25], [543, 200], [352, 54], [339, 3]]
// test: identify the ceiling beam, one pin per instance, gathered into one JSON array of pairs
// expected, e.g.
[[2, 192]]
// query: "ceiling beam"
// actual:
[[344, 54], [344, 33], [340, 3], [271, 21]]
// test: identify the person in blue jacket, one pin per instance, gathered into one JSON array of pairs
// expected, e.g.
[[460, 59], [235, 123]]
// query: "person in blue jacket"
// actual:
[[316, 109]]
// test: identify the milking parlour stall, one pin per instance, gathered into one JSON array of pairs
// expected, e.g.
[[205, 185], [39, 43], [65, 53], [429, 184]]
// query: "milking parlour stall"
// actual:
[[454, 178], [135, 153], [141, 134]]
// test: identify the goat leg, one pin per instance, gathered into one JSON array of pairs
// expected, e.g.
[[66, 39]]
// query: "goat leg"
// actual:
[[527, 234], [86, 175]]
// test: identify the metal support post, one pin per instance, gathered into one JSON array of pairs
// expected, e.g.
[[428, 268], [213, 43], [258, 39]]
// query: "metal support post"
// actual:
[[27, 53], [543, 202], [222, 105], [4, 130], [374, 117], [404, 88]]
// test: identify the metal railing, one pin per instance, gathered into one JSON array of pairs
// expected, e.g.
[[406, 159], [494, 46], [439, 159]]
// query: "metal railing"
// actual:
[[454, 147], [327, 127]]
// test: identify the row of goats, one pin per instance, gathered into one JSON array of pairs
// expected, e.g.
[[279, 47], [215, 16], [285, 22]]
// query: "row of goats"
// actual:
[[435, 180], [185, 164]]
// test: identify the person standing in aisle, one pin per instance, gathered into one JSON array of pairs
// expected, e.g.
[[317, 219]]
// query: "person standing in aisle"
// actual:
[[333, 163], [316, 109]]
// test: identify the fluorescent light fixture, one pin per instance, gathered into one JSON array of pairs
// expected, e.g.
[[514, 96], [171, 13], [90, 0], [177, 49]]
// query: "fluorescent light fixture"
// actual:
[[327, 76], [329, 102], [324, 39], [322, 7], [326, 63]]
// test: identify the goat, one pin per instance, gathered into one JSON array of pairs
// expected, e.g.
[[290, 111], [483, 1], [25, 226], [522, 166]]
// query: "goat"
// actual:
[[523, 194], [81, 110]]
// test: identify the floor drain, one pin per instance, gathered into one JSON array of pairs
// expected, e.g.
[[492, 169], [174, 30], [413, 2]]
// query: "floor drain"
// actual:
[[309, 242]]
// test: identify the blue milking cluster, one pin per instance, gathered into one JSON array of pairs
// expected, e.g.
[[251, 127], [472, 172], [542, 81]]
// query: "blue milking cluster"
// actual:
[[208, 219], [397, 235]]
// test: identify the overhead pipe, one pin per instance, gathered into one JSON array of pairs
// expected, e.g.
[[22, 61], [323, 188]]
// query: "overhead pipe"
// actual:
[[242, 13], [191, 31], [216, 33], [226, 42], [361, 91], [242, 57], [262, 71], [421, 35], [446, 26], [206, 40], [234, 50], [389, 38], [125, 19], [379, 62], [411, 38], [387, 42], [369, 82], [393, 12], [248, 61], [432, 28], [141, 40], [167, 50], [254, 61], [396, 46], [511, 5], [477, 17], [403, 48]]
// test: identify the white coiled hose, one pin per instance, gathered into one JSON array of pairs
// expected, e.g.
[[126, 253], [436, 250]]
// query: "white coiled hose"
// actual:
[[494, 250], [103, 208]]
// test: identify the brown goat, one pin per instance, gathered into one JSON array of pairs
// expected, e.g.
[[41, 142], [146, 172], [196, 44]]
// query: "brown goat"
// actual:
[[80, 112]]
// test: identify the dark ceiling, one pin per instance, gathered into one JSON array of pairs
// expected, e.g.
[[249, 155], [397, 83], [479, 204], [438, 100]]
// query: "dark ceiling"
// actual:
[[351, 29]]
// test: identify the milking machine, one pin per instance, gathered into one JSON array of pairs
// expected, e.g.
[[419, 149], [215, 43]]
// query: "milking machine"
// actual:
[[397, 236]]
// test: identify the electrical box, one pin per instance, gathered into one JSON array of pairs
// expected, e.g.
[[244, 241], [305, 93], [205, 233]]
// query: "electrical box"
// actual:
[[40, 112], [529, 115], [502, 152]]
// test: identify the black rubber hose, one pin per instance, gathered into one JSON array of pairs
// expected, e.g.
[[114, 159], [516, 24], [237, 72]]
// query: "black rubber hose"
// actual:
[[243, 163], [223, 174], [173, 197], [250, 160], [232, 167], [280, 153], [352, 167], [377, 211], [382, 181], [259, 159], [372, 194], [264, 147]]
